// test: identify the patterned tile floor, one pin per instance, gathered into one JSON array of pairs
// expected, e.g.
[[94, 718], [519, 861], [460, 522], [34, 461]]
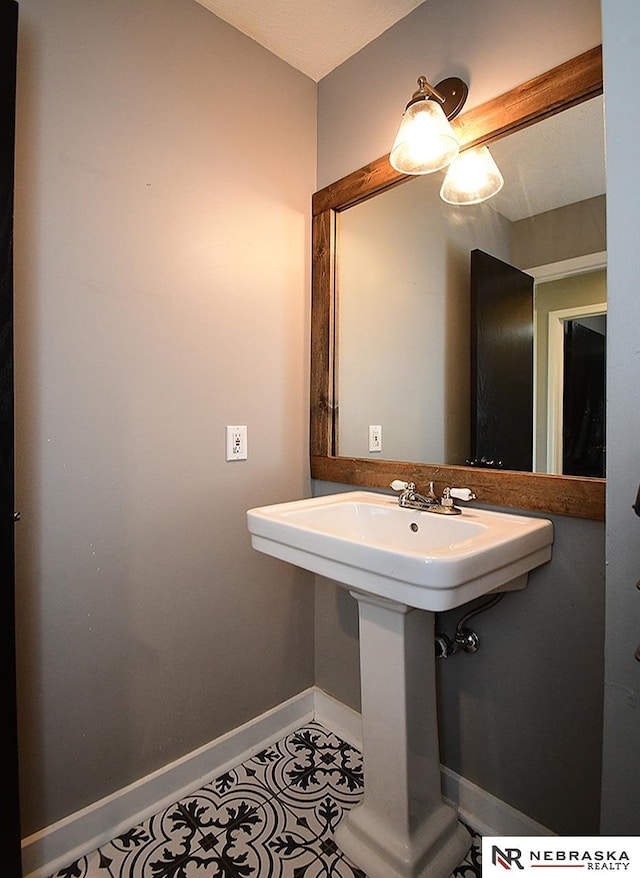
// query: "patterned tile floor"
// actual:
[[272, 817]]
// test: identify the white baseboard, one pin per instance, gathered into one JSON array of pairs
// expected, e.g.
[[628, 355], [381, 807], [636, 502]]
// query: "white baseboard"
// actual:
[[485, 813], [335, 715], [78, 834], [81, 833]]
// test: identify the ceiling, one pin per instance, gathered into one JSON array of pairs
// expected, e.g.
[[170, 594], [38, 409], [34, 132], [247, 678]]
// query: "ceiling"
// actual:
[[559, 161], [314, 36]]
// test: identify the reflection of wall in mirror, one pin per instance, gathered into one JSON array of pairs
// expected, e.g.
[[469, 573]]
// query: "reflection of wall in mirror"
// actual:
[[564, 233], [403, 324]]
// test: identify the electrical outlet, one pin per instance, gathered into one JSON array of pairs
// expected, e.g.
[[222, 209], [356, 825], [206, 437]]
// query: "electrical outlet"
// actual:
[[375, 437], [236, 443]]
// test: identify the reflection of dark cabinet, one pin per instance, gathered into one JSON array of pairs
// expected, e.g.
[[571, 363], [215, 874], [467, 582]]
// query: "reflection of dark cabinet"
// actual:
[[501, 364], [10, 834]]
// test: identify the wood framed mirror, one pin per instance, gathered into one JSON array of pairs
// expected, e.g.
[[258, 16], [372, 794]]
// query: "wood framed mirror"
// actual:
[[558, 89]]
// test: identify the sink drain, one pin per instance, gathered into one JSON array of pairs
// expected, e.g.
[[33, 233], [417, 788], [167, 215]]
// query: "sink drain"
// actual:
[[414, 527]]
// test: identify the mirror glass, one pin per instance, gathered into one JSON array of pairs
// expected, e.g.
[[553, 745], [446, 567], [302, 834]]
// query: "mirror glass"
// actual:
[[414, 381]]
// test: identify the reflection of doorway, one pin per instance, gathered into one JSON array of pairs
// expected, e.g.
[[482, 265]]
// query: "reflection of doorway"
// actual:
[[583, 419], [576, 391], [563, 287]]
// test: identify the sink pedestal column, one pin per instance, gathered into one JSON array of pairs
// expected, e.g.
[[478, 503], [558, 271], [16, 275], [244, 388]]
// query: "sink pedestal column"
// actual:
[[402, 828]]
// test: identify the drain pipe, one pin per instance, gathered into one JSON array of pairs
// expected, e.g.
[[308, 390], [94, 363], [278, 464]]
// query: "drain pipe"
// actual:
[[465, 639]]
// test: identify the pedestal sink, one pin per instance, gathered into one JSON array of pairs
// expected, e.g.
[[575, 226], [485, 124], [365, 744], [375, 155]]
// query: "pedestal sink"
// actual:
[[395, 561]]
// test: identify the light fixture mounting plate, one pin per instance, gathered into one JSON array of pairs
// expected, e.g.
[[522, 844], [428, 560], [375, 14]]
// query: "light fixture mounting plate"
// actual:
[[454, 91]]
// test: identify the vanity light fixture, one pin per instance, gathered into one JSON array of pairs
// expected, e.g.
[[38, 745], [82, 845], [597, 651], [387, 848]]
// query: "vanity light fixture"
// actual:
[[471, 178], [425, 141]]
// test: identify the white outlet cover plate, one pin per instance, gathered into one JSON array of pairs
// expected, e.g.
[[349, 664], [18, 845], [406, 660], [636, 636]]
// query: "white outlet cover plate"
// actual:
[[375, 437], [236, 442]]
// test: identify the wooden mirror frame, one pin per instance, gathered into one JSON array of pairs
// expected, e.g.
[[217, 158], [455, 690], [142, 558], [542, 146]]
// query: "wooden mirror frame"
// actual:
[[562, 87]]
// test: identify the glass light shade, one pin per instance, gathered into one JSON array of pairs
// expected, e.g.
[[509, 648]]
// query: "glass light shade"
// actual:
[[425, 141], [472, 177]]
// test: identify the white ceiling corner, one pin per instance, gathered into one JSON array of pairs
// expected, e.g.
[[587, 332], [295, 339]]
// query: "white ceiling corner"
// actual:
[[314, 36]]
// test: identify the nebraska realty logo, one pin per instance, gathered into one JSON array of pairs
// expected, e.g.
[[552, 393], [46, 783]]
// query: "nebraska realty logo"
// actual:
[[521, 856]]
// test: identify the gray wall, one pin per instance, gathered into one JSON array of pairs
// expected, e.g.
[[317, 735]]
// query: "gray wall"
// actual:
[[522, 717], [162, 262], [621, 753], [543, 648]]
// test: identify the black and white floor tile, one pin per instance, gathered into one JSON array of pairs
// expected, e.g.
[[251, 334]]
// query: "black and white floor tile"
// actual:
[[272, 817]]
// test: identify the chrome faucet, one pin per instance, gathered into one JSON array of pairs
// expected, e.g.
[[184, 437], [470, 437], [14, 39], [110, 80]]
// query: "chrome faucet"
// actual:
[[410, 499]]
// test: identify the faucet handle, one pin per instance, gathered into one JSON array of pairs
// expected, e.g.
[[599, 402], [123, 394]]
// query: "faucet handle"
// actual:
[[462, 494], [398, 485]]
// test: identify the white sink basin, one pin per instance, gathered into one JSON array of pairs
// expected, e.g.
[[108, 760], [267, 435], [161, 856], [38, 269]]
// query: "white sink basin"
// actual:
[[424, 560]]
